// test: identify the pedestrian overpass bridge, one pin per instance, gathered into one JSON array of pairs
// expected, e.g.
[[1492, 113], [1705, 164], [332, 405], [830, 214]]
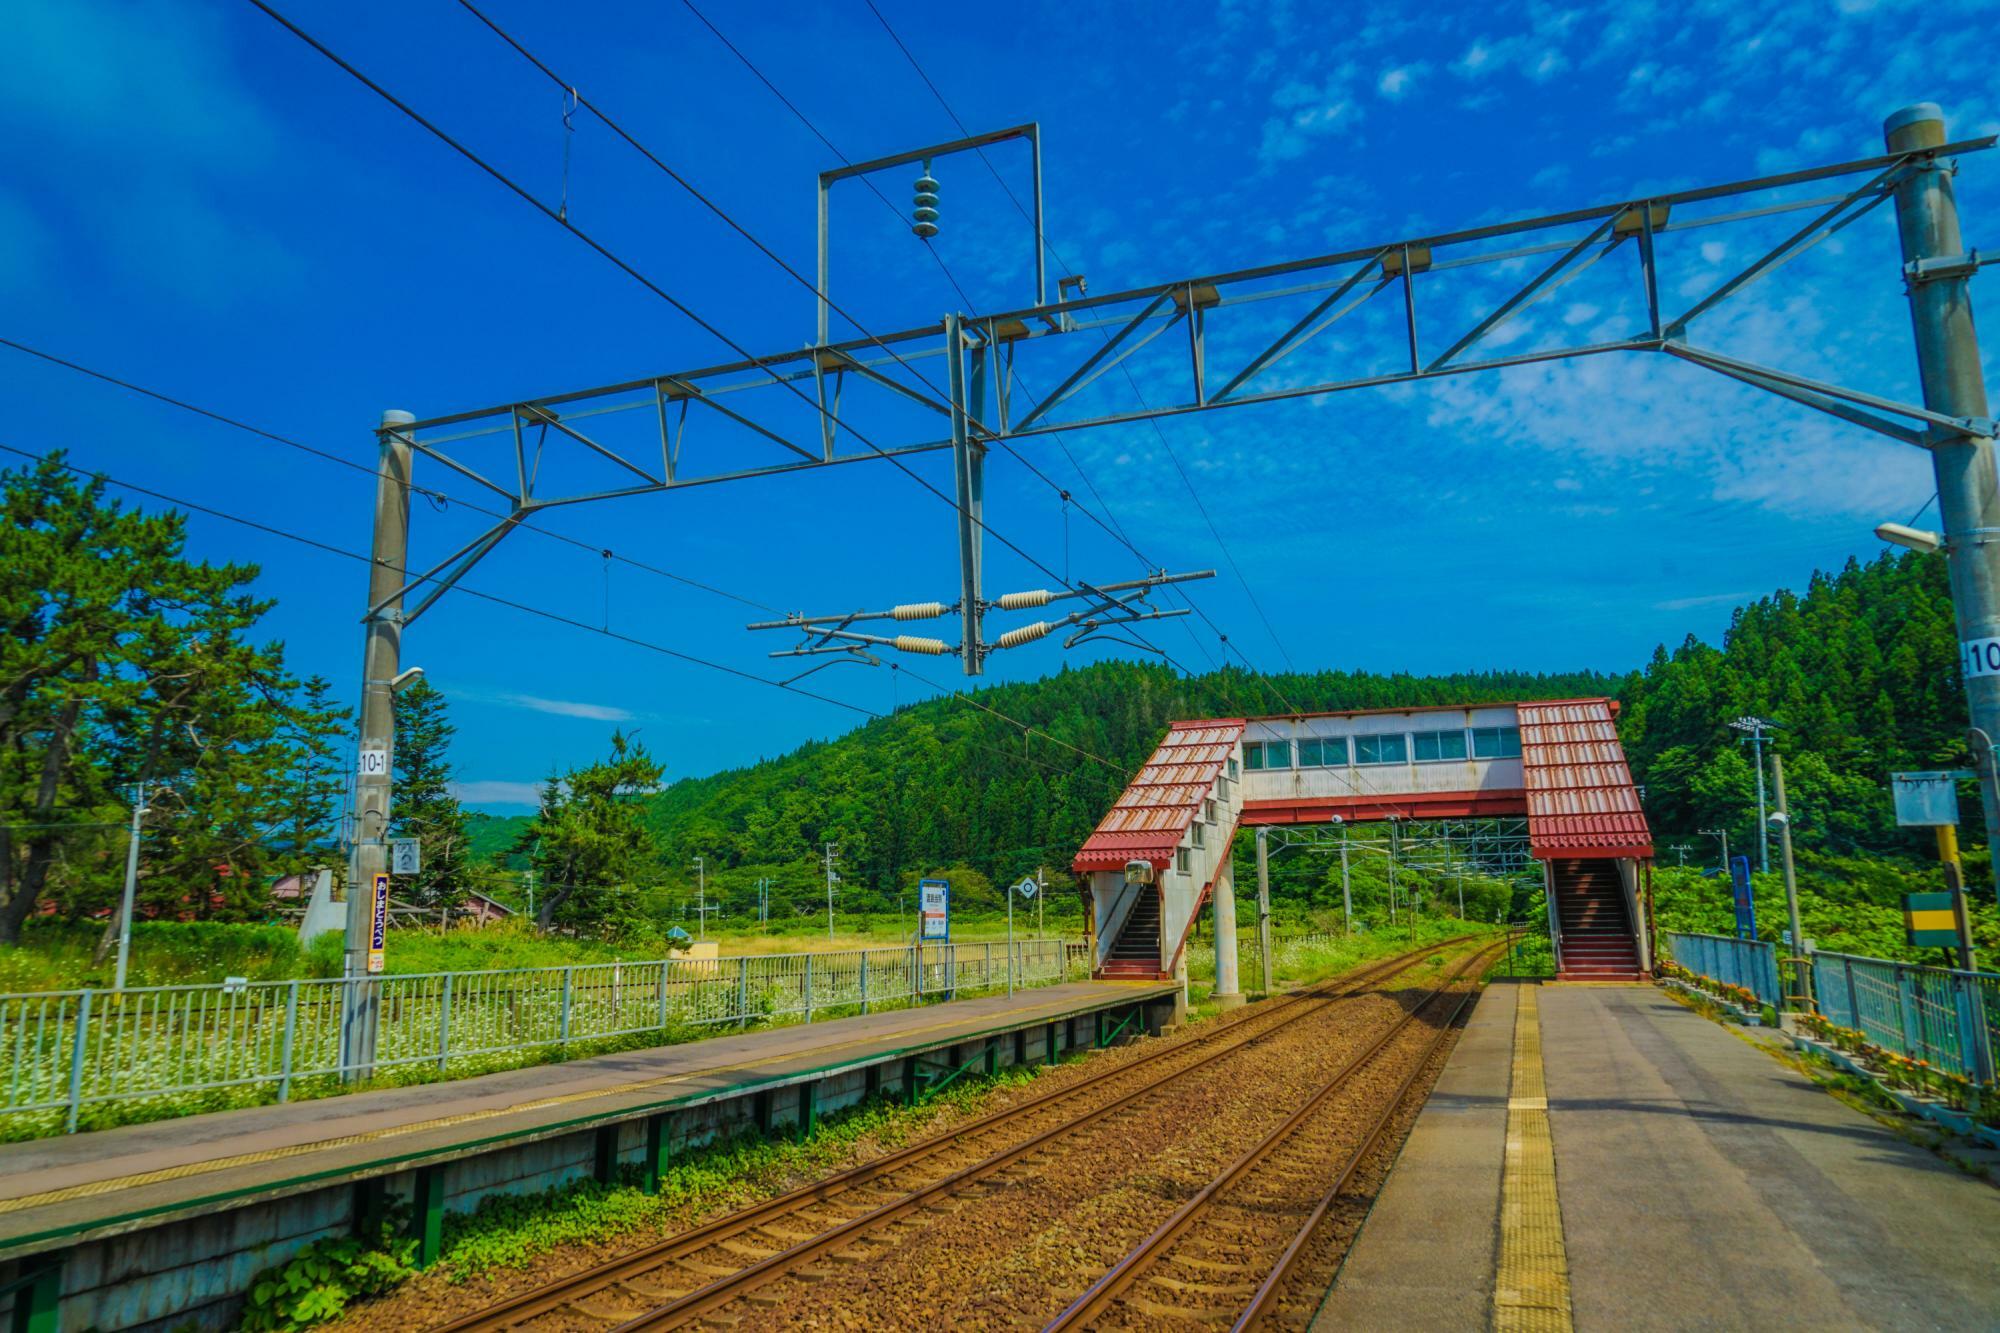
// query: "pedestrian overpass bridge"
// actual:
[[1163, 850]]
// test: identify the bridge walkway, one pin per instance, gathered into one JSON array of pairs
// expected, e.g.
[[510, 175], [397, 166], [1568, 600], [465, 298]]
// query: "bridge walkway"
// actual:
[[1699, 1183]]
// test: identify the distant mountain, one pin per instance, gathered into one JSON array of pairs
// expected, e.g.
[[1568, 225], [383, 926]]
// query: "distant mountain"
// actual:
[[949, 782]]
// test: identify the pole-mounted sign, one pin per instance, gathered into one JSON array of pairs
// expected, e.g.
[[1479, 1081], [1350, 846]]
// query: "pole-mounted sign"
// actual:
[[378, 927], [405, 856], [1930, 800], [934, 909], [1745, 896]]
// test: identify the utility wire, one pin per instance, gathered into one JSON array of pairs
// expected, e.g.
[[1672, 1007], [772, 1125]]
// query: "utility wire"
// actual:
[[1186, 481], [572, 92], [525, 607], [637, 276], [1113, 528], [426, 491]]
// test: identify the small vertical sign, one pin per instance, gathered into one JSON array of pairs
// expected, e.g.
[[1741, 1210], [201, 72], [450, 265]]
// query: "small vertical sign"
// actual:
[[378, 928], [934, 909], [1746, 898]]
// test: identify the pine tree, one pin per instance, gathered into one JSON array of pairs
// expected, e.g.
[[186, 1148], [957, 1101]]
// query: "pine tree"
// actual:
[[425, 808]]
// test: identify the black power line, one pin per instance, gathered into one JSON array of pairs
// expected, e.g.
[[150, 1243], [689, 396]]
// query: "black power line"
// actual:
[[1186, 481], [1113, 528]]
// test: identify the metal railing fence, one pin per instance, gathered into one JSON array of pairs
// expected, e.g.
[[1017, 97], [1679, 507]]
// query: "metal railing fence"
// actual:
[[1947, 1018], [64, 1051], [1751, 964]]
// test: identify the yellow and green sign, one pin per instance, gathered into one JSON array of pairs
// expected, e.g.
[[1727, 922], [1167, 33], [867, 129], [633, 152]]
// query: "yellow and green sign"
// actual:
[[1928, 920]]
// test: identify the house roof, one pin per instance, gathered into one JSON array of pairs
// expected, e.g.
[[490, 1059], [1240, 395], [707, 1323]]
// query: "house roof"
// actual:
[[1152, 814], [1581, 799]]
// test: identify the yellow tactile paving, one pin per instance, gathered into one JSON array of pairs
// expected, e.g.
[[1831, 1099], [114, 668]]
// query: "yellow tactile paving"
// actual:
[[1531, 1290], [90, 1189]]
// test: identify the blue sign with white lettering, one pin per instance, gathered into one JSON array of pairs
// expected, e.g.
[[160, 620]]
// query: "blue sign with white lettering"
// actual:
[[1746, 898]]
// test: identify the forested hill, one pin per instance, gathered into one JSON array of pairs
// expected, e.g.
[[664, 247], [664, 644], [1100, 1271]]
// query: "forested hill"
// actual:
[[950, 782], [1862, 670]]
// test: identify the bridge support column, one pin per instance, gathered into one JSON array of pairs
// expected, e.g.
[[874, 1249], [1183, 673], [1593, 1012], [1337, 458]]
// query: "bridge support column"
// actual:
[[1228, 990]]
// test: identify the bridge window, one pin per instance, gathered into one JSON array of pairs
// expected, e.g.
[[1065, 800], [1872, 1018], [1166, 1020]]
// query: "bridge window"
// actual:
[[1181, 860], [1496, 742], [1382, 749], [1232, 768], [1197, 833], [1208, 811], [1433, 746], [1267, 754], [1323, 752]]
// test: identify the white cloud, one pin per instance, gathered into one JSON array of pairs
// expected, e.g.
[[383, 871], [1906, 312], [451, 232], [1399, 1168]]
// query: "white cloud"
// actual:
[[1395, 83], [495, 791], [535, 703], [565, 708], [1707, 599]]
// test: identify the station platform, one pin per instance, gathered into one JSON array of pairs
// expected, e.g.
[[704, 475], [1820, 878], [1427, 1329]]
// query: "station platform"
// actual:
[[1696, 1183], [155, 1224]]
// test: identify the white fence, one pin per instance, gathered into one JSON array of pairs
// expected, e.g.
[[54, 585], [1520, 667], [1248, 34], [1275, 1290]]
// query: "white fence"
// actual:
[[65, 1051]]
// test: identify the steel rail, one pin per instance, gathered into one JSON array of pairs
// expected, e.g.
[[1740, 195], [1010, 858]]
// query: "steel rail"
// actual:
[[554, 1296], [1119, 1279], [1260, 1303], [725, 1290]]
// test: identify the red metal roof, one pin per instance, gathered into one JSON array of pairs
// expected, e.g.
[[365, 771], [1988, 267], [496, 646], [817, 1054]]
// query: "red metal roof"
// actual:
[[1152, 815], [1581, 801]]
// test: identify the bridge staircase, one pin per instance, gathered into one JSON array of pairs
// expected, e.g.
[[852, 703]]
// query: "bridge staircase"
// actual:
[[1135, 953], [1598, 941]]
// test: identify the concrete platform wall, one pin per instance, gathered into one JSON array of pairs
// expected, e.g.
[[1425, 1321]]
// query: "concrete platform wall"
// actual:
[[194, 1273]]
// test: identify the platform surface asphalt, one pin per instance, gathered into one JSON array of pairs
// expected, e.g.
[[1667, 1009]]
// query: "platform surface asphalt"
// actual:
[[115, 1178], [1702, 1184]]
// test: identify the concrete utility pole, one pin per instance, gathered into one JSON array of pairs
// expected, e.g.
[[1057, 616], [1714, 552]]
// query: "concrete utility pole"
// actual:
[[1347, 889], [381, 662], [701, 896], [1936, 272], [1801, 969], [1228, 989], [131, 885], [831, 879], [1264, 903]]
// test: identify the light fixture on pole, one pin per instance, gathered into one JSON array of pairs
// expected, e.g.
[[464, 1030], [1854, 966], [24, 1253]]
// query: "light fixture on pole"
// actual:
[[1754, 728], [1915, 539]]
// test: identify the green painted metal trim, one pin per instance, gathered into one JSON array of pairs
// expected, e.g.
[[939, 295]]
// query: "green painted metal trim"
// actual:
[[659, 1149], [1123, 1023], [38, 1300], [808, 1110], [273, 1189], [427, 1214], [986, 1053]]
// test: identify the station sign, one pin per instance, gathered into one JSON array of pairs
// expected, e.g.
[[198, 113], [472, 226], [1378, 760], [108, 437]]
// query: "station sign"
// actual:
[[378, 926], [934, 909], [1927, 800]]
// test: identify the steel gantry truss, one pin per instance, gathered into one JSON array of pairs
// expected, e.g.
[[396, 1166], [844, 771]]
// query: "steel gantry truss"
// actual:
[[961, 372], [1305, 327]]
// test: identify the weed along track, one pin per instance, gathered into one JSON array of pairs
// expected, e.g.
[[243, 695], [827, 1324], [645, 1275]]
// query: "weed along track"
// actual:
[[1030, 1205]]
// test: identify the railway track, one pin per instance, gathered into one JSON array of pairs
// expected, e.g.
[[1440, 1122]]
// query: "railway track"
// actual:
[[1229, 1254], [708, 1267]]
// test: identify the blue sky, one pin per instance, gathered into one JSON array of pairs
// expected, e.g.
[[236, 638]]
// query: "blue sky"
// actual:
[[193, 200]]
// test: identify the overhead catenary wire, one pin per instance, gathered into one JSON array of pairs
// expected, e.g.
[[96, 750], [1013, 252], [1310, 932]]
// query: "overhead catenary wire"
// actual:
[[586, 103], [369, 470], [636, 275], [1160, 434], [1113, 528], [723, 214], [526, 607]]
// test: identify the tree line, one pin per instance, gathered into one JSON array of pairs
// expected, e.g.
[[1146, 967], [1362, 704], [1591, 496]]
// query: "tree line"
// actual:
[[127, 662]]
